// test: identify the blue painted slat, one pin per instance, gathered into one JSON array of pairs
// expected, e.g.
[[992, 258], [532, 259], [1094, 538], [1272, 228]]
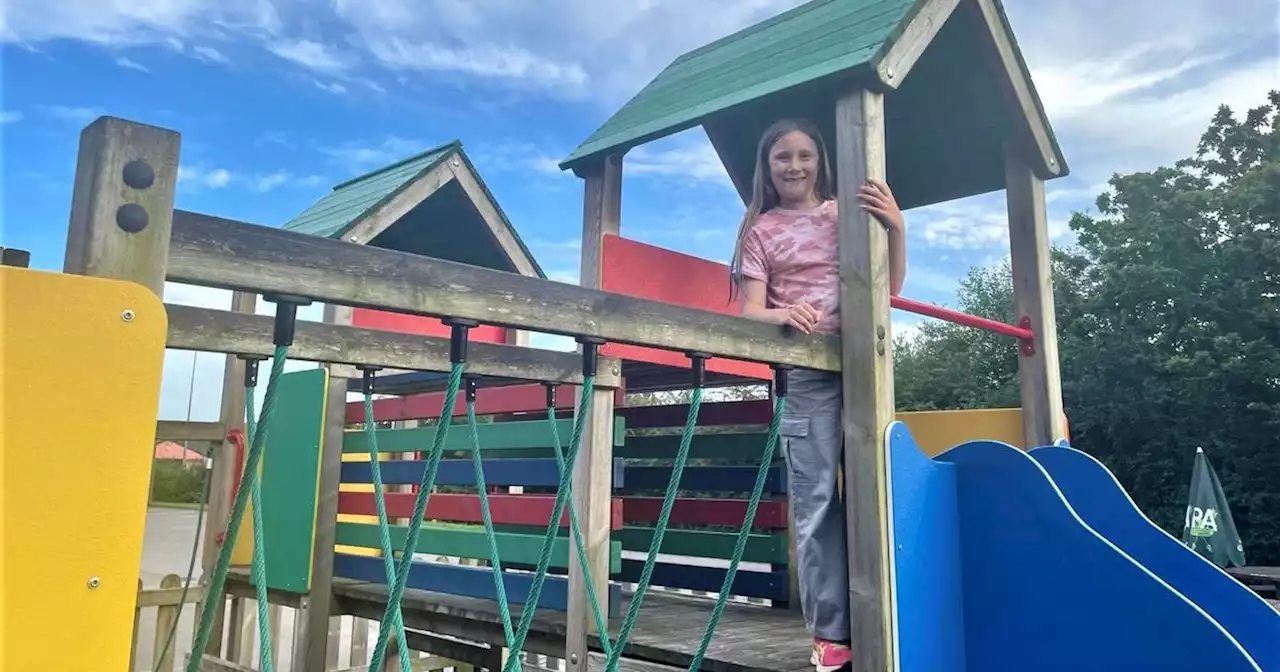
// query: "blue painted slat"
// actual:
[[769, 585], [1102, 610], [509, 471], [474, 582], [740, 479], [1099, 499], [926, 546]]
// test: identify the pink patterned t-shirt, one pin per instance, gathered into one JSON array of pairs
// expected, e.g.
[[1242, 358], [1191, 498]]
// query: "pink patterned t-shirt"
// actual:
[[796, 253]]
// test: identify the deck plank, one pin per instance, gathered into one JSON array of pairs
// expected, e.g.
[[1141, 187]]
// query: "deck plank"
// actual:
[[749, 638]]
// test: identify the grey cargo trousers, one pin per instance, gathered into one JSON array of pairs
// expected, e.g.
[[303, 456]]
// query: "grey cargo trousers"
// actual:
[[812, 441]]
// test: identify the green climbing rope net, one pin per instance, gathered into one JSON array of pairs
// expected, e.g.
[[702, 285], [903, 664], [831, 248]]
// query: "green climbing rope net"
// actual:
[[565, 462], [384, 529], [258, 568], [248, 489], [425, 487], [397, 577]]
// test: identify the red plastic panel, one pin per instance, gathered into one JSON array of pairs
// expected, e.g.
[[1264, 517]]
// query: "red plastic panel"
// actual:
[[489, 401], [425, 326], [648, 272]]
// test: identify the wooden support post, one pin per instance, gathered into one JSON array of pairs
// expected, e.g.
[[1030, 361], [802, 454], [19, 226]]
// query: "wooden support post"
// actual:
[[1038, 374], [225, 467], [312, 652], [122, 207], [122, 202], [593, 475], [866, 362]]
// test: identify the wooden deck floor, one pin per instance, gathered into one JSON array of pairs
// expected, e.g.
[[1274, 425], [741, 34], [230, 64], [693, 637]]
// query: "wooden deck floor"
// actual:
[[748, 638]]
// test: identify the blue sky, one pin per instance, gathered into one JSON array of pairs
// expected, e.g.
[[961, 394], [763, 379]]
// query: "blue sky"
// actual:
[[277, 100]]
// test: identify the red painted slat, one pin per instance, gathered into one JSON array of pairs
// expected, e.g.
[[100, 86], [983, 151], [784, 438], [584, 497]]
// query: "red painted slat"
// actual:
[[770, 515], [531, 398], [753, 412], [461, 508], [489, 401], [648, 272], [425, 326]]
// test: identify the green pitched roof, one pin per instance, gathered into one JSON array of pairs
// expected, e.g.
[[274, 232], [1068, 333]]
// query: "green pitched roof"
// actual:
[[350, 201], [419, 231], [814, 40]]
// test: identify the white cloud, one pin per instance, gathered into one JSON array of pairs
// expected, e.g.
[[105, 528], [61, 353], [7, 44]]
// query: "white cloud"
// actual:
[[568, 49], [73, 114], [198, 178], [363, 156], [686, 157], [514, 65], [331, 87], [209, 54], [128, 63], [312, 55], [10, 116], [519, 156], [975, 222], [134, 22]]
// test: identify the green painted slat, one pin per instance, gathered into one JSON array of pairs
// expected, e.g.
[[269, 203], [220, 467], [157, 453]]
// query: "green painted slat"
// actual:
[[814, 40], [519, 435], [349, 201], [470, 542], [744, 447], [291, 478], [770, 548]]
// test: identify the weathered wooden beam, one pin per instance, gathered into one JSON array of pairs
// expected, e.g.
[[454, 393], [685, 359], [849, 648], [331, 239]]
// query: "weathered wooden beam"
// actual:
[[592, 475], [390, 212], [1019, 91], [178, 430], [207, 330], [914, 40], [497, 225], [217, 252], [868, 378], [1038, 374]]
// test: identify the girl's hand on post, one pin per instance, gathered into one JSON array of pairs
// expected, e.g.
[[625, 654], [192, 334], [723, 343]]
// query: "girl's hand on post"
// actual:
[[802, 316], [878, 200]]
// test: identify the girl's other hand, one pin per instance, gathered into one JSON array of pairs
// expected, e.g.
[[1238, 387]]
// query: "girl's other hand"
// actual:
[[802, 316], [878, 200]]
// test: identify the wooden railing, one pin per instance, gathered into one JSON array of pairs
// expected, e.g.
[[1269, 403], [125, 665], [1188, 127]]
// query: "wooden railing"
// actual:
[[167, 600]]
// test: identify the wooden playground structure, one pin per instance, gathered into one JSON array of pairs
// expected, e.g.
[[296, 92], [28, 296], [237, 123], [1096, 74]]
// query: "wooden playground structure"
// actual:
[[940, 82]]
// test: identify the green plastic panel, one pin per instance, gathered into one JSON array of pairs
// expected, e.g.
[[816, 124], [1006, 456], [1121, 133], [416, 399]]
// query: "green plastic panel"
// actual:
[[291, 478]]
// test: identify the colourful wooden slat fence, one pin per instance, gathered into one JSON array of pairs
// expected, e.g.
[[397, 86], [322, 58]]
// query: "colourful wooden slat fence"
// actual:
[[515, 453]]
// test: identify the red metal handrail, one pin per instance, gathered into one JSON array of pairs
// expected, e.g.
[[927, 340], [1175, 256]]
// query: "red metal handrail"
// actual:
[[1022, 332]]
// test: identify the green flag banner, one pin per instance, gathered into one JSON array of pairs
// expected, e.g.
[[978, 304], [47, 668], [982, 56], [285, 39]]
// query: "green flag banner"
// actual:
[[1208, 528]]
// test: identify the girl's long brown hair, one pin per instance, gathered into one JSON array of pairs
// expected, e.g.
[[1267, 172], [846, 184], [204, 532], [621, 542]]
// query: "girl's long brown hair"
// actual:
[[763, 195]]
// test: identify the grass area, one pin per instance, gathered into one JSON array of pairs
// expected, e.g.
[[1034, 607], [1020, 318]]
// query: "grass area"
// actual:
[[189, 506]]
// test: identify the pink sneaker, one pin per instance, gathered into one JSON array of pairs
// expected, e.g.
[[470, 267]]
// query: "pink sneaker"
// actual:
[[830, 656]]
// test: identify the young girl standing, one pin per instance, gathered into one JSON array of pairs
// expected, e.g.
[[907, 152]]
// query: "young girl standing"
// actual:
[[787, 265]]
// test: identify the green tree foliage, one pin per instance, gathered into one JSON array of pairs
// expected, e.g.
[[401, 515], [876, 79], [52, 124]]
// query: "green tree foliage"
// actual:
[[1168, 325]]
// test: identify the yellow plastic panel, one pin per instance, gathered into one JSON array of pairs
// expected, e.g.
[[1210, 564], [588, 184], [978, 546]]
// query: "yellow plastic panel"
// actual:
[[936, 431], [80, 364]]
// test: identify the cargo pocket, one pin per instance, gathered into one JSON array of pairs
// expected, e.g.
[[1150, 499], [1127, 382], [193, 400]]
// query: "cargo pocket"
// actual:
[[793, 429]]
